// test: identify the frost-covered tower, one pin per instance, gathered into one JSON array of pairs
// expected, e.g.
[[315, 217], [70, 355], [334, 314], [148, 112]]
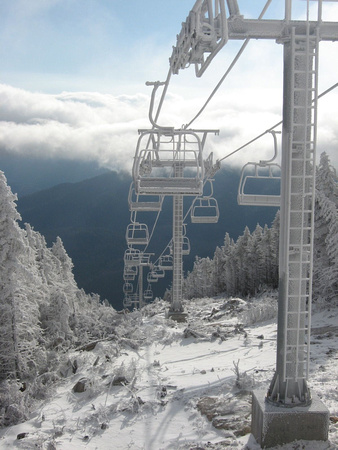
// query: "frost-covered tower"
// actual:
[[300, 39]]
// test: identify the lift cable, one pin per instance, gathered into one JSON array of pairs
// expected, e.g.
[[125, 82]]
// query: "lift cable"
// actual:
[[334, 86], [241, 50]]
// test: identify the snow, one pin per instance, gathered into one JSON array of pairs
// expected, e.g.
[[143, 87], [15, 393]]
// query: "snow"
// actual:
[[165, 385]]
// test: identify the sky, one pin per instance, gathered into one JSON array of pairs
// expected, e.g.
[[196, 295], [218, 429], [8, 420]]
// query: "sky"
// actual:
[[73, 74]]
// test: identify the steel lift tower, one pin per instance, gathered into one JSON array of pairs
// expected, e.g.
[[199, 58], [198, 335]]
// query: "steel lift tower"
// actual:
[[288, 411]]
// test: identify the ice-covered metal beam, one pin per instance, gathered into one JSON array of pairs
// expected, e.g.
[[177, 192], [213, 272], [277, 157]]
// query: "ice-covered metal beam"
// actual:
[[240, 28]]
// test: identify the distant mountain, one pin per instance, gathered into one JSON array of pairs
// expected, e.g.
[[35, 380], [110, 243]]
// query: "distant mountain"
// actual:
[[28, 175], [91, 218]]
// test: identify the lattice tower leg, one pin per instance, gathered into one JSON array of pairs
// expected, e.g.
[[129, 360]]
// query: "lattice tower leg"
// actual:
[[176, 304], [140, 286], [289, 385]]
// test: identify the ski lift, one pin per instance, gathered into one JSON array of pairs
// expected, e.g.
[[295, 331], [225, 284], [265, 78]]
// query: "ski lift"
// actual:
[[132, 257], [172, 166], [128, 288], [127, 301], [205, 209], [258, 180], [137, 234], [129, 273], [158, 273], [204, 31], [165, 262], [185, 243], [185, 246], [151, 277], [130, 300], [148, 294], [141, 203]]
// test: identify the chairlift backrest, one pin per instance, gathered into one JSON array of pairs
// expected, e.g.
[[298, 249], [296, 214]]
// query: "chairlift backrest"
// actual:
[[173, 165]]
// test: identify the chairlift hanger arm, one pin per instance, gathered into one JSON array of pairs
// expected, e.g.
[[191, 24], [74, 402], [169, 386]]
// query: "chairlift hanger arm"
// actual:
[[156, 85]]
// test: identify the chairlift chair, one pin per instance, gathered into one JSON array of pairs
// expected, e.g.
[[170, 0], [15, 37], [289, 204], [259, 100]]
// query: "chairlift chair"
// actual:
[[165, 262], [128, 288], [130, 300], [132, 257], [137, 234], [143, 203], [185, 246], [204, 210], [263, 175], [148, 294], [130, 273], [158, 273], [127, 302], [260, 175], [151, 277], [173, 165]]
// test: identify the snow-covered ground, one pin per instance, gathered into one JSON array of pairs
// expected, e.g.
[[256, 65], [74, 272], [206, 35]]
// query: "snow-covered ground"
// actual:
[[164, 385]]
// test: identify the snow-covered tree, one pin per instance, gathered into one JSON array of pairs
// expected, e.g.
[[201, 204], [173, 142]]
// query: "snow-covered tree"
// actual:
[[325, 277], [19, 311], [238, 268]]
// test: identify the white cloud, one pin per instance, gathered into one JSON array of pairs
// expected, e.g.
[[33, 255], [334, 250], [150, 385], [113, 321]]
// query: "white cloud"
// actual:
[[87, 126], [103, 127]]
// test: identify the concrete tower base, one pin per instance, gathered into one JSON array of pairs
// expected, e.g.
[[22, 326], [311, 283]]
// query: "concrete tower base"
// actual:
[[273, 425]]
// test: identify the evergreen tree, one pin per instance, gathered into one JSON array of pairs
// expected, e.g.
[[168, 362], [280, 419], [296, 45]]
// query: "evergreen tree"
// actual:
[[325, 268], [20, 333]]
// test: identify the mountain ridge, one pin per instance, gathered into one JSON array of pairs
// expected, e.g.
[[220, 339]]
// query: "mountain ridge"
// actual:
[[91, 217]]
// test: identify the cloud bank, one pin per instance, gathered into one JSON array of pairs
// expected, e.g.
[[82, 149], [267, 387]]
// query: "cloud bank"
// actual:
[[91, 126]]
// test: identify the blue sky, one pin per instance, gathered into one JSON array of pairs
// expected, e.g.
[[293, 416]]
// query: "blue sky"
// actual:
[[73, 73], [55, 45]]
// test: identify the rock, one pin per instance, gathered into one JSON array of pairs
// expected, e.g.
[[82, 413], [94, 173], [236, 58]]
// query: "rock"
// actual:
[[222, 424], [188, 332], [81, 385], [13, 415], [120, 381], [207, 407], [22, 435], [96, 361], [89, 347], [68, 368], [246, 429]]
